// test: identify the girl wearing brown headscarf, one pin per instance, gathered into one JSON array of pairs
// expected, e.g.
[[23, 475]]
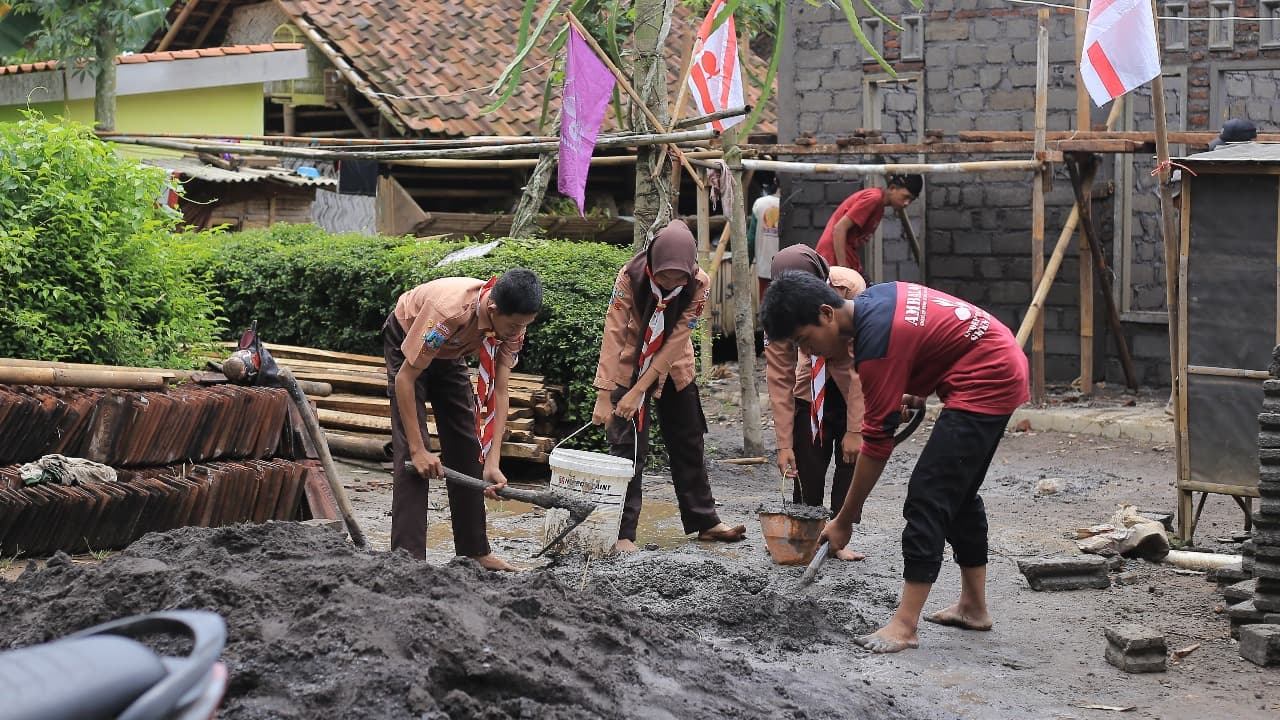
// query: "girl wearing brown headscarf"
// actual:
[[810, 432], [647, 350]]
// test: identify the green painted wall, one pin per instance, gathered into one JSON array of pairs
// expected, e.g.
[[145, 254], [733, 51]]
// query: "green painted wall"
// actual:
[[230, 110]]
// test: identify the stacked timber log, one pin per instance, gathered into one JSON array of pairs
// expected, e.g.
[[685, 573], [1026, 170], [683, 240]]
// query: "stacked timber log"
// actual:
[[357, 415]]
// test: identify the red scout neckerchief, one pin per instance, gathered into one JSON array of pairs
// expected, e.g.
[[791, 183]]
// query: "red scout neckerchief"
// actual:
[[484, 385], [818, 378], [655, 335]]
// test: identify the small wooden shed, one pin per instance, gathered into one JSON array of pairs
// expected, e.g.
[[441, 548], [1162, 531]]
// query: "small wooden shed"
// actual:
[[1228, 320]]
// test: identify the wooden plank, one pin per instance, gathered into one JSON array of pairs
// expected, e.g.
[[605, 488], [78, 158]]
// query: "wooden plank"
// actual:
[[1020, 147], [1228, 372], [1037, 201]]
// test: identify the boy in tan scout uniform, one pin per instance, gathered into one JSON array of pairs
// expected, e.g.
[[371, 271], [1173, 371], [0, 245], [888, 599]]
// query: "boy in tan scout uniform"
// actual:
[[813, 420], [657, 300], [426, 341]]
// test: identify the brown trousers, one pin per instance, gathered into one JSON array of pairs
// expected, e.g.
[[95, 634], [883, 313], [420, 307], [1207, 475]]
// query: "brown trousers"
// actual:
[[682, 426], [813, 459], [447, 385]]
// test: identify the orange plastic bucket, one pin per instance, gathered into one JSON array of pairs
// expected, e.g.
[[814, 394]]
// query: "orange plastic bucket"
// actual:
[[791, 540]]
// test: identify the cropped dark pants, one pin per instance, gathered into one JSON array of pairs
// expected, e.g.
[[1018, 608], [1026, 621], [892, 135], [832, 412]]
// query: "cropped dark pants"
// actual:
[[446, 384], [813, 459], [683, 426], [942, 503]]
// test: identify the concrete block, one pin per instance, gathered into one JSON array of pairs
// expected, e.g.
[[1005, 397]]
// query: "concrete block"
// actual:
[[1265, 568], [1240, 592], [1066, 573], [1136, 648], [1267, 603], [1245, 613], [1227, 575], [1260, 644]]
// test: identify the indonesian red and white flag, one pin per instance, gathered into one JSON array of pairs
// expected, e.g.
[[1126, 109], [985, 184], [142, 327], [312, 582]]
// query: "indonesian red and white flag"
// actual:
[[1120, 50], [715, 80]]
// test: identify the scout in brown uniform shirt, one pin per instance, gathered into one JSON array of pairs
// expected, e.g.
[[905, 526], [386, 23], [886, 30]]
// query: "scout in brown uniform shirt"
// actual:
[[657, 300], [426, 341], [791, 389]]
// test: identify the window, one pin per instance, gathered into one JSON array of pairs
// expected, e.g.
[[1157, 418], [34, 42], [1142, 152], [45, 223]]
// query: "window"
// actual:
[[911, 39], [1175, 31], [874, 32], [1269, 28], [1221, 31]]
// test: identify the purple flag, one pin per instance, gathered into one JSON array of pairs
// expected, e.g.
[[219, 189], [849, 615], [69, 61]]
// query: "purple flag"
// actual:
[[588, 86]]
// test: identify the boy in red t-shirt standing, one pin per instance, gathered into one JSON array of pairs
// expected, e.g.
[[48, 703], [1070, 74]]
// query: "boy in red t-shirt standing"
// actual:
[[909, 341], [857, 218]]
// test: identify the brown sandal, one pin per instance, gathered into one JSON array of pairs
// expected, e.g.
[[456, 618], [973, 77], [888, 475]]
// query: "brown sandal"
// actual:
[[733, 534]]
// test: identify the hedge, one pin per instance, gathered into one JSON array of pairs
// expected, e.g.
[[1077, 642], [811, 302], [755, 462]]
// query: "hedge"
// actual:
[[307, 287], [88, 270]]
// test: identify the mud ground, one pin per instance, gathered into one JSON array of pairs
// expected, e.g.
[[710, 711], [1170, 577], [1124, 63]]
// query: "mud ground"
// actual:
[[685, 629]]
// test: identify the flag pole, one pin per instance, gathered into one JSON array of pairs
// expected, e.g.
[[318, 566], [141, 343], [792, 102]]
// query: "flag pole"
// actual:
[[1168, 229], [626, 85]]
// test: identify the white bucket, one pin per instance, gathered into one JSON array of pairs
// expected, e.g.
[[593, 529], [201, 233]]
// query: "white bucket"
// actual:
[[588, 477]]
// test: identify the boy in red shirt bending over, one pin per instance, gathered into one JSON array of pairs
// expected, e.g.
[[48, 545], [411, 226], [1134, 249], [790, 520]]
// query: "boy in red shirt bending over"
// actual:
[[857, 218], [908, 342]]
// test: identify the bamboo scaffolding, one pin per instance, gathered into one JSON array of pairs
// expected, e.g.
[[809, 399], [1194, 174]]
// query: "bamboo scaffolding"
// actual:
[[1037, 200], [956, 168], [1084, 123], [636, 140], [1139, 136], [711, 117]]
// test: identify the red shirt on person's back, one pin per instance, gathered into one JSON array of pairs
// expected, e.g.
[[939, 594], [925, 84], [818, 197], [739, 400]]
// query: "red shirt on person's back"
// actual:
[[865, 209], [913, 340]]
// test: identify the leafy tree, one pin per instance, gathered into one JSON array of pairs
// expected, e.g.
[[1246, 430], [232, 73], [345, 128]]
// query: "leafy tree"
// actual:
[[87, 35], [88, 264]]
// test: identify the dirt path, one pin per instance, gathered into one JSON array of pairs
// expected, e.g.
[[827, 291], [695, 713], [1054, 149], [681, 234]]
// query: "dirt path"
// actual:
[[1044, 656], [687, 629]]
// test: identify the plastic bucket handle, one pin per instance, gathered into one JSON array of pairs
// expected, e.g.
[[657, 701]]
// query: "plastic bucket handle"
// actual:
[[635, 446]]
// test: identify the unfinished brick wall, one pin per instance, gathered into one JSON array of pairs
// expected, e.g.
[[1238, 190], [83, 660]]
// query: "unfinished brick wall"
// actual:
[[977, 67]]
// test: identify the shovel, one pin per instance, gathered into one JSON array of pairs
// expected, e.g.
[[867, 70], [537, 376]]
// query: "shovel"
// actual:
[[578, 510], [811, 572]]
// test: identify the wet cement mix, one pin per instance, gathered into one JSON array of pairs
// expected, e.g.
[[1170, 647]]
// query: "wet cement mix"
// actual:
[[318, 628]]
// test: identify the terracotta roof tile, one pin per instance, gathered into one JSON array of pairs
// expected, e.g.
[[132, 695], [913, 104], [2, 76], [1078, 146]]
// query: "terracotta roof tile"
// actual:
[[442, 56], [166, 56]]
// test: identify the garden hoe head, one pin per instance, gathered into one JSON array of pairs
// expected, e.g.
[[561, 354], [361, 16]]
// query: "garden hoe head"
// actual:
[[811, 572], [578, 510]]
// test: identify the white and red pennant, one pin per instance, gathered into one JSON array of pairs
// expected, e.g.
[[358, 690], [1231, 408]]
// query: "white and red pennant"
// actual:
[[1120, 51]]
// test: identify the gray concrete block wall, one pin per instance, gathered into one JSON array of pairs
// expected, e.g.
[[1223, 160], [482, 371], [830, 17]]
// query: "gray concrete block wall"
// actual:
[[978, 71]]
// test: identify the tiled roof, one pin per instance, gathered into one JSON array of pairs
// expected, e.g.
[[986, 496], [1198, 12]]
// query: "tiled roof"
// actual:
[[433, 61], [168, 55]]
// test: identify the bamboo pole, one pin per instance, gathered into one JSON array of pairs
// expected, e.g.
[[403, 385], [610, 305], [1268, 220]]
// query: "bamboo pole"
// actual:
[[363, 448], [69, 377], [600, 160], [636, 140], [916, 248], [743, 292], [1084, 124], [954, 168], [1037, 200], [710, 117], [177, 25], [704, 252], [626, 85], [1104, 275]]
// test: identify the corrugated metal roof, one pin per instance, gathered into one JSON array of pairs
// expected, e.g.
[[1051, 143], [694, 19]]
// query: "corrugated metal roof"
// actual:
[[194, 169], [1248, 152]]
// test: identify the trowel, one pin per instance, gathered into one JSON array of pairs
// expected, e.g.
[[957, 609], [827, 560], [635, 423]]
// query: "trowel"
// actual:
[[819, 557], [578, 510]]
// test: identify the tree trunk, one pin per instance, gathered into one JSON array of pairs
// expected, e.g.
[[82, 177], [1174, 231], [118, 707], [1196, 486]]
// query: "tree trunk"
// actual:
[[104, 99], [742, 291], [649, 77], [523, 225]]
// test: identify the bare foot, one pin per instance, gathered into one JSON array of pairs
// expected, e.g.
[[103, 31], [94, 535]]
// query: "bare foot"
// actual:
[[848, 555], [495, 563], [885, 640], [626, 546], [955, 617], [723, 533]]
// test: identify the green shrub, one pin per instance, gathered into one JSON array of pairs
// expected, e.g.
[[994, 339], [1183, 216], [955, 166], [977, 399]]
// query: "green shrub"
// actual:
[[88, 268], [307, 287]]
